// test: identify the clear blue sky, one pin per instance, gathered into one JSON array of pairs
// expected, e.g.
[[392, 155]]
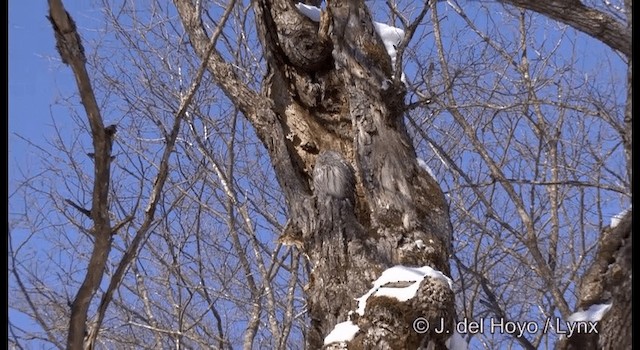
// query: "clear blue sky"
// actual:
[[32, 76]]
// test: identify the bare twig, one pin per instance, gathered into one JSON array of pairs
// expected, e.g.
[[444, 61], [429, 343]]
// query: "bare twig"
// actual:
[[78, 207]]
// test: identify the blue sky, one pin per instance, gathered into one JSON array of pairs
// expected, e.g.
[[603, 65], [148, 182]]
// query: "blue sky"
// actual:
[[31, 79], [36, 75]]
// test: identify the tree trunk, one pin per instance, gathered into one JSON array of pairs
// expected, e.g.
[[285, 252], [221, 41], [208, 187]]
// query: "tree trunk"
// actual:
[[71, 52], [341, 109]]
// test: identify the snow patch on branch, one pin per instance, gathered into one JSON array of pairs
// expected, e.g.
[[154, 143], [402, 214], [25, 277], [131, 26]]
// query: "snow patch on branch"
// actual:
[[424, 166], [312, 12], [615, 220], [342, 332], [594, 313], [412, 276], [391, 37]]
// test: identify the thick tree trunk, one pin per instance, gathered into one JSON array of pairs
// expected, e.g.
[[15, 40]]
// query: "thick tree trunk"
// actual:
[[341, 109]]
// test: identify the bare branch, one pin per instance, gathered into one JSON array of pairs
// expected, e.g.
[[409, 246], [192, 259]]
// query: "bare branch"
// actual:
[[78, 207]]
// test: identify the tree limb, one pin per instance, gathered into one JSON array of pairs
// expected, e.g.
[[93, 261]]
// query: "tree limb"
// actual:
[[84, 211], [71, 51], [588, 20]]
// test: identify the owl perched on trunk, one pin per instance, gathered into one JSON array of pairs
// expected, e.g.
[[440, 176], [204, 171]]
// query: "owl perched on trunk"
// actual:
[[333, 178]]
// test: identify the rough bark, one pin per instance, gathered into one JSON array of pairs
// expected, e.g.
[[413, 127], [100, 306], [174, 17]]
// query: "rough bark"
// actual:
[[608, 280], [616, 326], [323, 92]]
